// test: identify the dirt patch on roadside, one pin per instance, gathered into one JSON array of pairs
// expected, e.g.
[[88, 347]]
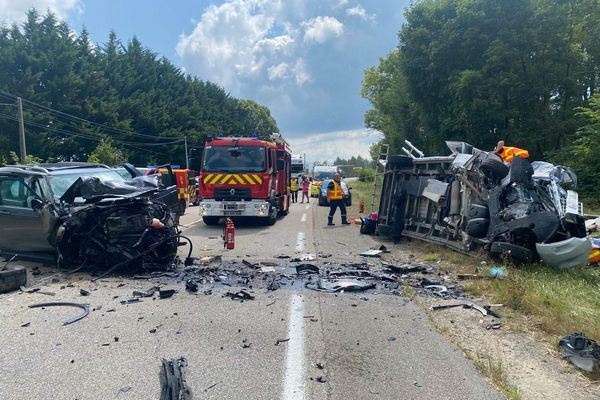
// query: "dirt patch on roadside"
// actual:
[[526, 360]]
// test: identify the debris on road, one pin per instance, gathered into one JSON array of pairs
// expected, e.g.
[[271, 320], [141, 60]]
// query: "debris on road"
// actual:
[[84, 292], [84, 307], [12, 277], [173, 384], [371, 253], [485, 311], [279, 341], [241, 295], [581, 351], [341, 285], [165, 294], [307, 269], [148, 293], [191, 286]]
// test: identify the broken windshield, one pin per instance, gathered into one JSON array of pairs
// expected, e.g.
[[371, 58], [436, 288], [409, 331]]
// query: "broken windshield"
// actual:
[[234, 159]]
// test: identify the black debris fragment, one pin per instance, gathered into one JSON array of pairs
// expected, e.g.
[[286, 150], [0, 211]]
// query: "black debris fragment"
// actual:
[[84, 307], [241, 295], [129, 301], [148, 293], [173, 384], [279, 341], [321, 379], [84, 292], [307, 269], [25, 325], [191, 286], [580, 350], [165, 294]]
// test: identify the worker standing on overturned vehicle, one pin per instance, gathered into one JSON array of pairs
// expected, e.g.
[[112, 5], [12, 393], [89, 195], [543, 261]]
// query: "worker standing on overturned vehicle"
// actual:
[[335, 195], [507, 153]]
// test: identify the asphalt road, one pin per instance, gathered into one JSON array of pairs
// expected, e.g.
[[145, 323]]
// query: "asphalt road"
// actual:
[[370, 346]]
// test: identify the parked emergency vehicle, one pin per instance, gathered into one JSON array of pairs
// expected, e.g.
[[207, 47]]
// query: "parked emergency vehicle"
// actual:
[[245, 177], [186, 192]]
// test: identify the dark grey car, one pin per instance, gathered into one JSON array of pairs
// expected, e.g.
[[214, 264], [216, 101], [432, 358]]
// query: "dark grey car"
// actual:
[[40, 205]]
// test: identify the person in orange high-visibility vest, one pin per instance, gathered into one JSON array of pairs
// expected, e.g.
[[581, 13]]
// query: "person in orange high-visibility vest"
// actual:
[[335, 195], [507, 153]]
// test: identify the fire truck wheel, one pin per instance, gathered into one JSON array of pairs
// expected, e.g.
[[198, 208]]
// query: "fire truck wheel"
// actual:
[[272, 218], [210, 220]]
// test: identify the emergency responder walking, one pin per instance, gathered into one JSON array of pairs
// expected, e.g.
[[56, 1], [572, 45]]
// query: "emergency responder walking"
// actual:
[[335, 195]]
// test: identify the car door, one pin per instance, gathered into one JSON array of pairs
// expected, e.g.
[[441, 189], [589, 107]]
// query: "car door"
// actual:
[[20, 226]]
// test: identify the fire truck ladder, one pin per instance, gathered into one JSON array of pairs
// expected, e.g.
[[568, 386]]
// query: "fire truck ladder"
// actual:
[[384, 150]]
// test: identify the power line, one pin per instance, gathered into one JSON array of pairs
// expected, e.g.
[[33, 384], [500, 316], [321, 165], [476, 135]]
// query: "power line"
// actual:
[[95, 135], [79, 119], [81, 135]]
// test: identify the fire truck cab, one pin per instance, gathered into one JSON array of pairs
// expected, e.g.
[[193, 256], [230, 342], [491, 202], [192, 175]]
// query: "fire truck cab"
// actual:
[[245, 177]]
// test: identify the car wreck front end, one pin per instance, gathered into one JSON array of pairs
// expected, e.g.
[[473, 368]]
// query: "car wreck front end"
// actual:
[[107, 226], [471, 199]]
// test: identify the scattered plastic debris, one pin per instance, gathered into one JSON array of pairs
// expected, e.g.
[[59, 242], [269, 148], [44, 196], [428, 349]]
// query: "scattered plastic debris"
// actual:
[[583, 352]]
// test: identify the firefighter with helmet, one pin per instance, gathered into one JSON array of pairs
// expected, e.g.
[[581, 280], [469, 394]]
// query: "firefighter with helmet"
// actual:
[[335, 195]]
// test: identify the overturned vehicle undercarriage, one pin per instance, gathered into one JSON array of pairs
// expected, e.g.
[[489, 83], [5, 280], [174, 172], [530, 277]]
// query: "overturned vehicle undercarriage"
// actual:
[[107, 226], [471, 200]]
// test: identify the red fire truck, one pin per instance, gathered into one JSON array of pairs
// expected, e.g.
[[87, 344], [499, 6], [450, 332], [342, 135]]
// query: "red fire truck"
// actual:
[[245, 177]]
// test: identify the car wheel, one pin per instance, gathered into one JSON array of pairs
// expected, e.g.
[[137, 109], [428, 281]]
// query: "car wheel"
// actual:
[[494, 167], [211, 221], [12, 278]]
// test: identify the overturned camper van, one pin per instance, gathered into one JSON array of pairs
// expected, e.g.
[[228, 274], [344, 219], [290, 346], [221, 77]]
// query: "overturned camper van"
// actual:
[[471, 200]]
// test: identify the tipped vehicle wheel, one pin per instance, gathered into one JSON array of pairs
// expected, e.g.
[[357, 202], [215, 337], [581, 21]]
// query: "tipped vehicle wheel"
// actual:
[[494, 167]]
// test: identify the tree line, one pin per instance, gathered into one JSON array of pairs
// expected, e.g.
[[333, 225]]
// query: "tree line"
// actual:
[[524, 71], [77, 96]]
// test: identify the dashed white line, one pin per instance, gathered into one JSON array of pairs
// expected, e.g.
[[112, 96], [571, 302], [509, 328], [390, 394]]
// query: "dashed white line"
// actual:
[[307, 207], [293, 379], [300, 242], [303, 219]]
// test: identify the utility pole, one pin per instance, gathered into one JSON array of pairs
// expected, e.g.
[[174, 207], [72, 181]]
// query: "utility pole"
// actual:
[[22, 145], [187, 159]]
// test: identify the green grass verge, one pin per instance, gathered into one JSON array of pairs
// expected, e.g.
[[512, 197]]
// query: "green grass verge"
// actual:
[[495, 372], [561, 301], [363, 191]]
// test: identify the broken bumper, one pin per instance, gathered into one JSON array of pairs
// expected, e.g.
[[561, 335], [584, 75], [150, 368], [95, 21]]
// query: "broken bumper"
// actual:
[[252, 208], [568, 253]]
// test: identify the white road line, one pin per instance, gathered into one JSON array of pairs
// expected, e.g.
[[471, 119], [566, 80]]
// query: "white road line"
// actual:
[[300, 242], [293, 379], [307, 207], [303, 219]]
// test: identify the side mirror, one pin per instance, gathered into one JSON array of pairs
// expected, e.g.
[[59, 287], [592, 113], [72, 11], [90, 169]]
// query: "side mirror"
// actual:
[[36, 204], [280, 165]]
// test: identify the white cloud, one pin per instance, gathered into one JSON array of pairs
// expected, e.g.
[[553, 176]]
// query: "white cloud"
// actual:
[[304, 59], [321, 29], [326, 146], [278, 71], [359, 11], [14, 10]]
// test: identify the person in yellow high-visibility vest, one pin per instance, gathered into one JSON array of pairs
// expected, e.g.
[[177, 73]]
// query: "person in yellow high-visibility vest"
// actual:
[[507, 153], [294, 190], [335, 195]]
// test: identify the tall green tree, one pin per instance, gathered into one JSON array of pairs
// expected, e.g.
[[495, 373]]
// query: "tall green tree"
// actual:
[[120, 93]]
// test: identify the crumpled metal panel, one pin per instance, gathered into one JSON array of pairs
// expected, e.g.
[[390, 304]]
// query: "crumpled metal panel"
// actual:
[[568, 253]]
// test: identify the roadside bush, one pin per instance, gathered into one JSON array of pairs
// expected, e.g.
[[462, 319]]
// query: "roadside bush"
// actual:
[[366, 174]]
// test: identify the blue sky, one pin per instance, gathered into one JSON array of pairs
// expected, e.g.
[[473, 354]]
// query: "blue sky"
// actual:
[[304, 59]]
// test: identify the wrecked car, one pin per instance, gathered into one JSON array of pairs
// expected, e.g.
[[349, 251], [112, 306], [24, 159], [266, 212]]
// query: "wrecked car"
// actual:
[[472, 200], [86, 215]]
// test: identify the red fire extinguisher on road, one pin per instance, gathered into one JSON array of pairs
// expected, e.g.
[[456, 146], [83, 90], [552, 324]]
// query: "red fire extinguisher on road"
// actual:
[[229, 234], [361, 207]]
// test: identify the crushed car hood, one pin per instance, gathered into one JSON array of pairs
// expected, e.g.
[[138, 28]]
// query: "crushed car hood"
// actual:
[[91, 188]]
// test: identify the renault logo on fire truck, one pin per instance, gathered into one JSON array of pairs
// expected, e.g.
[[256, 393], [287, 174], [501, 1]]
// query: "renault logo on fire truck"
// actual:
[[232, 179], [232, 192]]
